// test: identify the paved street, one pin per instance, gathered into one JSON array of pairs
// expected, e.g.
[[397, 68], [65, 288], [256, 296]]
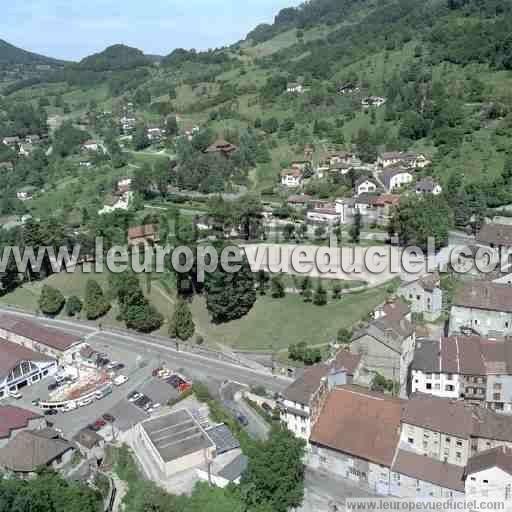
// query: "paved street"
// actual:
[[326, 493], [150, 347]]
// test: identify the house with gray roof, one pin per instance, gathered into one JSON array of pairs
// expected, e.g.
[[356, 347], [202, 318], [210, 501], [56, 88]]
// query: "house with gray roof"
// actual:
[[424, 295], [386, 343], [483, 308], [32, 449], [395, 177]]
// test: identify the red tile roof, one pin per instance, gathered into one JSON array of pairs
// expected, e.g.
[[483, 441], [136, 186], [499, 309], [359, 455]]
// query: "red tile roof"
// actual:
[[141, 231], [365, 425], [52, 338], [484, 295], [14, 418]]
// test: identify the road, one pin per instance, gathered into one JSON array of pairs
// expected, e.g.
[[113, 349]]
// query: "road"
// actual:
[[324, 492], [151, 347]]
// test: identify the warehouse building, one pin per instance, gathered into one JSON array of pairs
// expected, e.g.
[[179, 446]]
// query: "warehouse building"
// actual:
[[176, 442]]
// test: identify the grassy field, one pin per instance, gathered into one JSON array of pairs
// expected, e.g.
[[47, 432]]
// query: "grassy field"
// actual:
[[27, 296], [274, 324]]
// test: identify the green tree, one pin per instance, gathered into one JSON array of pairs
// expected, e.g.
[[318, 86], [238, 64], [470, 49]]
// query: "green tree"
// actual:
[[140, 137], [230, 295], [95, 305], [73, 306], [171, 126], [336, 290], [344, 335], [275, 474], [355, 229], [51, 300], [320, 296], [278, 289], [183, 321]]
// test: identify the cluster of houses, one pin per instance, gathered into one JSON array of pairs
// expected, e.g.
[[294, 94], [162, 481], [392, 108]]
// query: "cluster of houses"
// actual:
[[375, 192], [23, 146], [448, 433]]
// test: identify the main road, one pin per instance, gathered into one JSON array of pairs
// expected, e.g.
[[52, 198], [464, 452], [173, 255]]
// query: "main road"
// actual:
[[147, 346]]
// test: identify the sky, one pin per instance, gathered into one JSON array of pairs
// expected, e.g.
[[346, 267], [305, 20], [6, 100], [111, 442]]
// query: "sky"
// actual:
[[73, 29]]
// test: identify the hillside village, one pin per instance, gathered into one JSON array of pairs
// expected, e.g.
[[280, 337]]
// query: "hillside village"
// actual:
[[378, 125]]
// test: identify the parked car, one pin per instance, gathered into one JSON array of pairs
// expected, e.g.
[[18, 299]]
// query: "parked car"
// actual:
[[266, 407], [109, 418], [242, 420], [35, 402], [70, 406], [100, 423], [50, 412], [118, 367], [102, 362], [134, 396], [112, 365], [16, 395], [154, 407], [84, 402], [53, 386], [120, 380]]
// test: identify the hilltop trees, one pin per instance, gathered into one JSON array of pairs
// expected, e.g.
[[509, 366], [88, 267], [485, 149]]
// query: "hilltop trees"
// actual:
[[96, 305], [182, 323], [51, 300], [230, 295]]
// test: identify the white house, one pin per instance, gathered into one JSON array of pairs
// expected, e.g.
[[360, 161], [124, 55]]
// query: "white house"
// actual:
[[21, 367], [291, 177], [295, 88], [373, 101], [428, 186], [303, 399], [90, 145], [396, 177], [365, 185], [119, 203], [488, 476], [425, 295], [324, 215], [483, 308]]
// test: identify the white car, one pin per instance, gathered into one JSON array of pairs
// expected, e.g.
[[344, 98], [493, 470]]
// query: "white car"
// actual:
[[70, 406], [134, 397], [120, 380], [16, 395], [112, 365], [84, 402], [154, 407]]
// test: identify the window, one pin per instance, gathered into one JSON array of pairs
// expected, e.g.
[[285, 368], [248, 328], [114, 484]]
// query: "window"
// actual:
[[448, 439], [497, 386], [459, 443], [418, 297], [496, 396], [449, 376], [449, 387], [437, 386], [473, 479], [485, 481], [425, 445], [428, 385], [458, 455], [437, 376], [425, 436], [410, 440], [428, 376]]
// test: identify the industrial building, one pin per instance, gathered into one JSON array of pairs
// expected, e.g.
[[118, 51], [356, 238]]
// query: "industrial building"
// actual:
[[176, 442]]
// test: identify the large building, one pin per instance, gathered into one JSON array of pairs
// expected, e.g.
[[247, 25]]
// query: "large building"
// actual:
[[176, 442], [31, 450], [471, 368], [21, 366], [356, 436], [483, 308], [51, 342]]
